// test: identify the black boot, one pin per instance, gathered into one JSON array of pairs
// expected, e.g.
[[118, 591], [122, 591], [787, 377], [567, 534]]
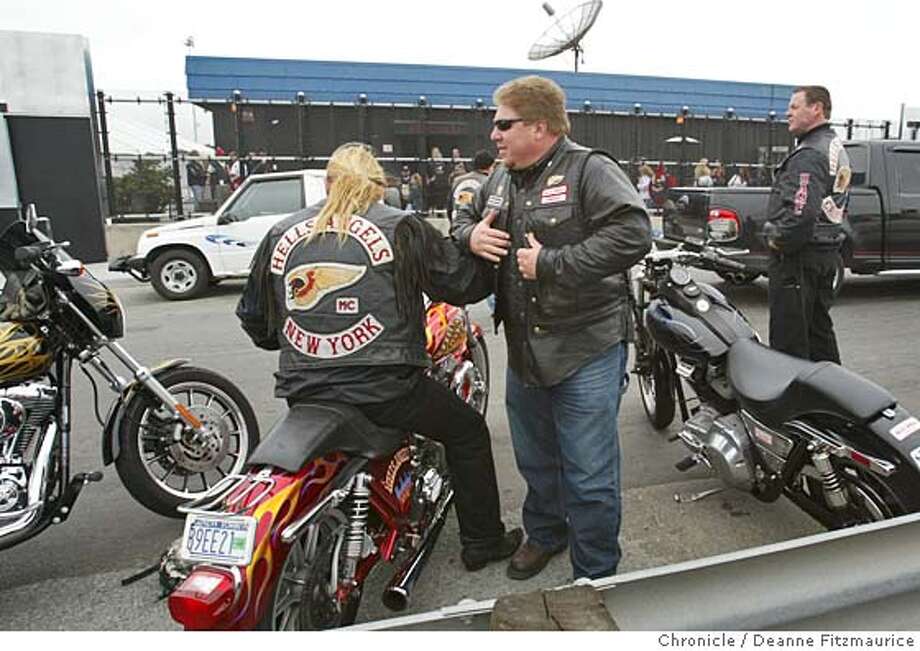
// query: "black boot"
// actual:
[[477, 554]]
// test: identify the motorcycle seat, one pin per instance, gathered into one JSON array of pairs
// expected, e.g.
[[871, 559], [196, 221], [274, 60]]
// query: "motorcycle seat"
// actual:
[[314, 429], [778, 387]]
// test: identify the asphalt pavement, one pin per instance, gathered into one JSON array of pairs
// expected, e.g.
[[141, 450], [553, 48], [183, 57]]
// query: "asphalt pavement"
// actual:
[[69, 577]]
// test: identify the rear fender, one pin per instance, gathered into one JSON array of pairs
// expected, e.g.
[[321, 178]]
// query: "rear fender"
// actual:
[[110, 444]]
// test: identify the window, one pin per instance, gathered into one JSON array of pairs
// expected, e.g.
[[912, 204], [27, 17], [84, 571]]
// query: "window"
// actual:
[[275, 197], [859, 163], [907, 167]]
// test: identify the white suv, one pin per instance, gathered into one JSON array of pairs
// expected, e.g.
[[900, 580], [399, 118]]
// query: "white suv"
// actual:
[[183, 258]]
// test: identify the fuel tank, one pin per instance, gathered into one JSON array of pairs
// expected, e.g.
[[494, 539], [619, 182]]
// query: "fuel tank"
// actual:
[[24, 353], [696, 321]]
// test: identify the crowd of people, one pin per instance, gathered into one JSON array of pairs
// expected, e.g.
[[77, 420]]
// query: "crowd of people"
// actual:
[[211, 180], [652, 184]]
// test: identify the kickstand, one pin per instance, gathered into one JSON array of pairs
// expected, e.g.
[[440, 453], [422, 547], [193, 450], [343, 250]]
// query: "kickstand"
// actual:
[[140, 575], [696, 497]]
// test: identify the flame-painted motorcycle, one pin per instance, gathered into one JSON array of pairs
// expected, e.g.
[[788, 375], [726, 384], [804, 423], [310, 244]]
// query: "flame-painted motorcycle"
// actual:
[[173, 431], [839, 446], [327, 496]]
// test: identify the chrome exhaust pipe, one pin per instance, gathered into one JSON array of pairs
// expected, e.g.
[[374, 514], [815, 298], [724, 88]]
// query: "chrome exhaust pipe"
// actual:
[[396, 596]]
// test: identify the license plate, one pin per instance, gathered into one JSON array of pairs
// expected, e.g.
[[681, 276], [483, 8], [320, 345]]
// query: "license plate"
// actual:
[[225, 540]]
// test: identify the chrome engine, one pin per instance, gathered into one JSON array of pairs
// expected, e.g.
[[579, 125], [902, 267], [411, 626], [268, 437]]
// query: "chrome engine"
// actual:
[[723, 444], [24, 411]]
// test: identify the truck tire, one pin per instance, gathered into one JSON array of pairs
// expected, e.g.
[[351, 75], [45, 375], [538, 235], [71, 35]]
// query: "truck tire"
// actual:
[[179, 274]]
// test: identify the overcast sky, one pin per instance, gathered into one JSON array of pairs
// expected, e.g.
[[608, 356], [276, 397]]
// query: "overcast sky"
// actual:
[[865, 52]]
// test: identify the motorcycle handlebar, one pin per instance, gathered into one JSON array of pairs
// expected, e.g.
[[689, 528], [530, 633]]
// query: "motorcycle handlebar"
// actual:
[[693, 250]]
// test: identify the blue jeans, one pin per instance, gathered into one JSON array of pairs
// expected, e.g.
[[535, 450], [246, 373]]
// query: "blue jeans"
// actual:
[[567, 449]]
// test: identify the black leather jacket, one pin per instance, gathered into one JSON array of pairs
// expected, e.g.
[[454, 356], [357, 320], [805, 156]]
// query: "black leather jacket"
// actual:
[[337, 309], [809, 196], [593, 227]]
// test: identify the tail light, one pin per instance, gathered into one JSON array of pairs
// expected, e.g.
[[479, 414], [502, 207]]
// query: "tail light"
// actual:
[[201, 600], [724, 224]]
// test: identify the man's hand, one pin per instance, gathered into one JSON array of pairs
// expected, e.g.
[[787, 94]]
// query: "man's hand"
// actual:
[[527, 258], [489, 243]]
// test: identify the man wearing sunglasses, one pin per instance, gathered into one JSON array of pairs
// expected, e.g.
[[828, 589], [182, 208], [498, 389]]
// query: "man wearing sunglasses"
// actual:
[[562, 225]]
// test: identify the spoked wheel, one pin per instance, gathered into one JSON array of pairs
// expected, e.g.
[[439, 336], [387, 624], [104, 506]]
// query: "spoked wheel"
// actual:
[[306, 594], [656, 385], [162, 472]]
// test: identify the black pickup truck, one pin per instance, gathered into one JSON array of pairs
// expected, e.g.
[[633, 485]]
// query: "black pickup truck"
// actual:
[[882, 223]]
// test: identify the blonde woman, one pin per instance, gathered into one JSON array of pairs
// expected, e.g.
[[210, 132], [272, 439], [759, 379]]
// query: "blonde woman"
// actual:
[[376, 261]]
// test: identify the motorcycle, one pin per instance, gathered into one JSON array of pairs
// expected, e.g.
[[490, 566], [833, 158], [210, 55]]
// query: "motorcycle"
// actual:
[[172, 431], [839, 446], [326, 497]]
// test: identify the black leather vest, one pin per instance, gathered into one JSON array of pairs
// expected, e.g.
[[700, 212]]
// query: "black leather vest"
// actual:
[[337, 298]]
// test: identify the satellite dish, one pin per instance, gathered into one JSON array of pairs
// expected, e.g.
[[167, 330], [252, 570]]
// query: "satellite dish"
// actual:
[[566, 32]]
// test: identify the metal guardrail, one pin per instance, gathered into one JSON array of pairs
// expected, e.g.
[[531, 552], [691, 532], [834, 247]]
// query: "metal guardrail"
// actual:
[[866, 578]]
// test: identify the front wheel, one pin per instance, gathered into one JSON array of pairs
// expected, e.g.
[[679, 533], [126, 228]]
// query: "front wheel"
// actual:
[[161, 472], [656, 386], [306, 594]]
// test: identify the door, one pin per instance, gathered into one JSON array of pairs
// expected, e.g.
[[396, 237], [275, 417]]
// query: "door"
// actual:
[[261, 204], [903, 246]]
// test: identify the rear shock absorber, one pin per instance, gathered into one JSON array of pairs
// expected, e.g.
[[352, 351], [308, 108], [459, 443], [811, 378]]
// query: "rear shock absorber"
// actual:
[[834, 492], [357, 524]]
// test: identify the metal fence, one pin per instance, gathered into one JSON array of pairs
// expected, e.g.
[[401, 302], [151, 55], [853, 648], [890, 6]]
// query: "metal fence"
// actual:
[[297, 134]]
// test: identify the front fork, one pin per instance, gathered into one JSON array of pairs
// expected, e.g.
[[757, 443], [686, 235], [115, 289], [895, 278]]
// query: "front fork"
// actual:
[[141, 374]]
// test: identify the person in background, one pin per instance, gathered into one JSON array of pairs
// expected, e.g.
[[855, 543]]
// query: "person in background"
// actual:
[[467, 186], [417, 193], [740, 179], [644, 185], [197, 178], [804, 230], [437, 183], [702, 174], [718, 174]]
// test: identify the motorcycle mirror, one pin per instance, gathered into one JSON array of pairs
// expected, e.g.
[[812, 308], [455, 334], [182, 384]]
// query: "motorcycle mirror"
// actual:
[[31, 218]]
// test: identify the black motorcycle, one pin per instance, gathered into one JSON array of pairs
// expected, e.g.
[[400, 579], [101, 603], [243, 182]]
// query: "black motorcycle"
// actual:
[[838, 445], [173, 431]]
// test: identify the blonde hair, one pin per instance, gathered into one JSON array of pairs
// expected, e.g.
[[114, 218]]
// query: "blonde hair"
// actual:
[[356, 182], [645, 170], [536, 98]]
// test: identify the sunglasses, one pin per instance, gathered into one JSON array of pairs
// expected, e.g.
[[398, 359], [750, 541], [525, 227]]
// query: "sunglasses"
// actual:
[[504, 125]]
